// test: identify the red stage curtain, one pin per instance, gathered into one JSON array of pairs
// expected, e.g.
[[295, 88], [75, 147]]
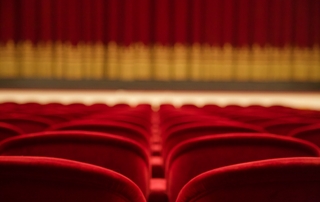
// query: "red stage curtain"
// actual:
[[161, 39], [214, 22]]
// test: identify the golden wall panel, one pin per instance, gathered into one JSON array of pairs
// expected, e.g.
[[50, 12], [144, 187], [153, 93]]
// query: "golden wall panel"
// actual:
[[315, 64], [26, 59], [179, 62], [195, 62], [243, 64], [112, 61], [140, 62], [57, 60], [97, 65], [143, 62], [8, 62], [207, 65], [43, 64], [127, 63], [225, 67], [162, 62]]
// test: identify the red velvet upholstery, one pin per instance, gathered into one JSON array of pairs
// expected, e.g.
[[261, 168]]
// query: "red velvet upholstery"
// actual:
[[188, 119], [136, 121], [99, 106], [7, 130], [201, 154], [185, 132], [284, 127], [54, 118], [132, 111], [8, 106], [28, 124], [111, 127], [276, 180], [52, 179], [310, 133], [116, 153]]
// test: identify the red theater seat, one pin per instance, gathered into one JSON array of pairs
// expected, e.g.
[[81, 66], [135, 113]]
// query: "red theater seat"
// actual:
[[116, 153], [98, 107], [201, 154], [187, 131], [55, 118], [52, 179], [7, 130], [27, 124], [310, 133], [136, 121], [166, 106], [284, 127], [169, 124], [112, 127], [123, 105], [276, 180], [53, 105], [8, 106]]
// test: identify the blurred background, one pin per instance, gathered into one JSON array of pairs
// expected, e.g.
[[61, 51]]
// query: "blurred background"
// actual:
[[227, 45]]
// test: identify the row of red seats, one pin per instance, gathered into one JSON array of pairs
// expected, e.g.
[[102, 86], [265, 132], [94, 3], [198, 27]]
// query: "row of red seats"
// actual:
[[275, 119], [115, 138], [196, 140], [56, 179], [189, 141]]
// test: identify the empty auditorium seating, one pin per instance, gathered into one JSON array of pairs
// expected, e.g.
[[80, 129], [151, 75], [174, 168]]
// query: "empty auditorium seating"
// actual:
[[53, 179], [116, 153], [276, 180], [157, 150], [202, 154]]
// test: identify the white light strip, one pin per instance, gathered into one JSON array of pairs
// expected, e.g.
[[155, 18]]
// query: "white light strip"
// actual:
[[298, 100]]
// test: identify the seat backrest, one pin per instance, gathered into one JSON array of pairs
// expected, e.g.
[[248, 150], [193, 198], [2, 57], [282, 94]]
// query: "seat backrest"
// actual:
[[112, 127], [199, 155], [284, 127], [310, 133], [276, 180], [123, 118], [28, 124], [7, 130], [54, 179], [187, 131], [116, 153], [188, 119]]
